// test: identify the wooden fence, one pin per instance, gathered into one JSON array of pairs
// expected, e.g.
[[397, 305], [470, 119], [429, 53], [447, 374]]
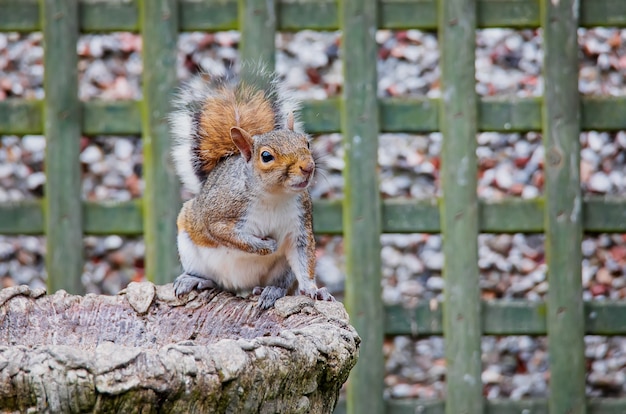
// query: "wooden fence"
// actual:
[[562, 214]]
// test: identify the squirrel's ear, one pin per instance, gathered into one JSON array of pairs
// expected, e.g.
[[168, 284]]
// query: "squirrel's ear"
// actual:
[[290, 121], [243, 141]]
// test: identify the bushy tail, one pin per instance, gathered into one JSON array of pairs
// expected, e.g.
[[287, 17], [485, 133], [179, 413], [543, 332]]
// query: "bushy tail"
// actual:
[[208, 105]]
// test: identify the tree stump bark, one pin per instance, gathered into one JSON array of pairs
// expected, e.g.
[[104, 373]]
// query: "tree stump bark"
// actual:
[[147, 351]]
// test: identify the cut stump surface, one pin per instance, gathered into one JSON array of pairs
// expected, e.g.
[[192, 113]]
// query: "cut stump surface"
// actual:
[[145, 350]]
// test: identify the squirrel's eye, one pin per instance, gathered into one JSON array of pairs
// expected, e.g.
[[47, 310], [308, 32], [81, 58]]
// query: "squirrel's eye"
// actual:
[[308, 145], [266, 156]]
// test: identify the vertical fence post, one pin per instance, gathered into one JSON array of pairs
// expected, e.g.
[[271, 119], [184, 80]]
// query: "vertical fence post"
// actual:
[[63, 206], [459, 207], [563, 215], [257, 24], [362, 205], [159, 31]]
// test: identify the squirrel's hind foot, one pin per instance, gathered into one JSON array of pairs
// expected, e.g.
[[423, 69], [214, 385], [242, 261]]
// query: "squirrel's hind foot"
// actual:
[[319, 294], [186, 282], [269, 295]]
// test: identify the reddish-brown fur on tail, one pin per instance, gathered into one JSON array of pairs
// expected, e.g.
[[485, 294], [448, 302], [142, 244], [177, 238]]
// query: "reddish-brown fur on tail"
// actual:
[[209, 105], [244, 107]]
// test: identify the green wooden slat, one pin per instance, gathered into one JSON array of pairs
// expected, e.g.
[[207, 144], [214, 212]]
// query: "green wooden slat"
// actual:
[[321, 116], [603, 13], [24, 217], [510, 114], [603, 112], [162, 192], [362, 204], [202, 15], [327, 217], [525, 406], [63, 220], [112, 118], [505, 317], [19, 16], [396, 115], [512, 215], [308, 14], [459, 206], [399, 216], [514, 318], [216, 15], [508, 13], [563, 207], [403, 14], [124, 16], [524, 114], [606, 405], [409, 115], [419, 321], [410, 406], [422, 14], [21, 117], [27, 217], [403, 406], [114, 218], [605, 318], [257, 20], [605, 215]]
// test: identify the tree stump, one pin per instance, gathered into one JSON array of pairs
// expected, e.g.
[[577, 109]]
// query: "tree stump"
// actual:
[[147, 351]]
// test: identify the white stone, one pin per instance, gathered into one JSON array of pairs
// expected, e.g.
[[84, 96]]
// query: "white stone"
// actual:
[[113, 242], [91, 154], [600, 183], [34, 143], [435, 283]]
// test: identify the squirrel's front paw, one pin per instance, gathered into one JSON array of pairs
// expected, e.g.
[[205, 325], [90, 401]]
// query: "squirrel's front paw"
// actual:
[[319, 294], [265, 246]]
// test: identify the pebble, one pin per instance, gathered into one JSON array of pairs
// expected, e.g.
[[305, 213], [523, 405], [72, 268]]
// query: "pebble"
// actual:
[[600, 183], [35, 180], [328, 271], [113, 242], [91, 155], [435, 283], [434, 261], [33, 143], [123, 149], [491, 375], [391, 256], [413, 263]]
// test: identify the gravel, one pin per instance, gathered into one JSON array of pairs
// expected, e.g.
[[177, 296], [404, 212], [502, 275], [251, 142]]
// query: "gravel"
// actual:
[[508, 63]]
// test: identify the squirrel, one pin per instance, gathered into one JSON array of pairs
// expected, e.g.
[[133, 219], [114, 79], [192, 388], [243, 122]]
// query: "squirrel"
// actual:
[[239, 149]]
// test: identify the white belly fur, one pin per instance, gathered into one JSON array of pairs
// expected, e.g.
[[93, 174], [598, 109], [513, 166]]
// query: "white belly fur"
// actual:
[[237, 270]]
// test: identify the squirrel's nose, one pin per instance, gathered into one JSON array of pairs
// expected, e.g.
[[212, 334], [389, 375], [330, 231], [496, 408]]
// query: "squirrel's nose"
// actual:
[[307, 168]]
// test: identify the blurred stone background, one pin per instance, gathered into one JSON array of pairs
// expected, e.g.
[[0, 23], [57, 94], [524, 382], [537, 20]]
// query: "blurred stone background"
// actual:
[[508, 63]]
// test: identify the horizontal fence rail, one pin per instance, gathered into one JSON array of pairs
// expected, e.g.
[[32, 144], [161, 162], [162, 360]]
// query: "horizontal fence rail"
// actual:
[[21, 117], [505, 317], [600, 215], [525, 406], [216, 15]]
